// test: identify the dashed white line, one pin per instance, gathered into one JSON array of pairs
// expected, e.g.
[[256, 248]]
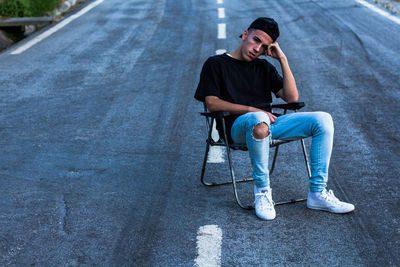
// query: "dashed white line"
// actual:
[[209, 240], [216, 153], [379, 11], [57, 27], [220, 2], [221, 12], [221, 31]]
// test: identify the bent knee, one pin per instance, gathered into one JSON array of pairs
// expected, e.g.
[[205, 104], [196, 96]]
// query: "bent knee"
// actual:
[[261, 131], [324, 121]]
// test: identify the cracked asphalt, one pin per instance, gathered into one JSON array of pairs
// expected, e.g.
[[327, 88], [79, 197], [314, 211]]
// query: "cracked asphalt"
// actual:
[[101, 143]]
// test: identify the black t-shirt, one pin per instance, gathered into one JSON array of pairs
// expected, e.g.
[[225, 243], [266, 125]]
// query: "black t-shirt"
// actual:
[[239, 82]]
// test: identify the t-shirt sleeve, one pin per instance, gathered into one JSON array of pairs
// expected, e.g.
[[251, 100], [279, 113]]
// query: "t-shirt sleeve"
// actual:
[[209, 83], [276, 80]]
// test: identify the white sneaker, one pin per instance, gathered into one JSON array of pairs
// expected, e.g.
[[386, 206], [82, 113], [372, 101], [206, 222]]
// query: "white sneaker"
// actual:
[[327, 201], [264, 205]]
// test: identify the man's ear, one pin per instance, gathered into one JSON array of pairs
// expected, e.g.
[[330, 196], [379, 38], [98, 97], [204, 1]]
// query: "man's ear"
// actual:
[[244, 35]]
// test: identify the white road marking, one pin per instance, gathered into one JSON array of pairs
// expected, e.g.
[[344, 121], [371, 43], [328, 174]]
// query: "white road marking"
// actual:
[[221, 31], [57, 27], [216, 153], [379, 11], [209, 240], [221, 12], [220, 2]]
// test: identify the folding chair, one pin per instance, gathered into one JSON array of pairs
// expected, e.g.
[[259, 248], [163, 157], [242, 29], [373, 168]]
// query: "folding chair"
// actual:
[[211, 117]]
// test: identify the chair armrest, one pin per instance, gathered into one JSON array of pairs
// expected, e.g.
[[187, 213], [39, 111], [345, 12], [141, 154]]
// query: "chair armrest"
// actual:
[[290, 106], [216, 114], [224, 114]]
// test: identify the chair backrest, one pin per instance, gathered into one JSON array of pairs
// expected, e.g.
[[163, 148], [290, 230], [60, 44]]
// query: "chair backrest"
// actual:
[[223, 120]]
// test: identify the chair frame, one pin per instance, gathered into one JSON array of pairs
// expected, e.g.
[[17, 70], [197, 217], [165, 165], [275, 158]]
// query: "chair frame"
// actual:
[[210, 119]]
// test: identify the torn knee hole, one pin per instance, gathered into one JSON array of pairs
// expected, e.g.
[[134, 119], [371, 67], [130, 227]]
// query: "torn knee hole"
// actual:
[[260, 131]]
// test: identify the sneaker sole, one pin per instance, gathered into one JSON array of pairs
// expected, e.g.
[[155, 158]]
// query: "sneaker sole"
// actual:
[[329, 210], [265, 219]]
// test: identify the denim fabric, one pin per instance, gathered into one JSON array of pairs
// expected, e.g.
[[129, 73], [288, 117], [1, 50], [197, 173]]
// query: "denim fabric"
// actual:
[[318, 125]]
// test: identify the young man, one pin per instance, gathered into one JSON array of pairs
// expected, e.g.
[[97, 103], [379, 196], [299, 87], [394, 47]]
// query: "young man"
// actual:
[[241, 83]]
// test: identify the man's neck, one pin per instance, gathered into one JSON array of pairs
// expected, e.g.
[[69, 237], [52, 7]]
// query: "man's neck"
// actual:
[[236, 54]]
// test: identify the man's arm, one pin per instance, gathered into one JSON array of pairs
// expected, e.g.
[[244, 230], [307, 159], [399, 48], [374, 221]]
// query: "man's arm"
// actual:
[[289, 91], [214, 103]]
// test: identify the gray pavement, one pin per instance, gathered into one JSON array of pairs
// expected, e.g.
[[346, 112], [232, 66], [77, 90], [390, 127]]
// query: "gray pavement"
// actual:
[[101, 142]]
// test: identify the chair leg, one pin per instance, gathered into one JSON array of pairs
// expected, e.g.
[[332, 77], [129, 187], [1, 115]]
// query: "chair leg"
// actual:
[[291, 201], [203, 169], [248, 207], [234, 181], [306, 158], [274, 160]]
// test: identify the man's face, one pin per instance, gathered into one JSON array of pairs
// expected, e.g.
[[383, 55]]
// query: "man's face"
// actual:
[[254, 44]]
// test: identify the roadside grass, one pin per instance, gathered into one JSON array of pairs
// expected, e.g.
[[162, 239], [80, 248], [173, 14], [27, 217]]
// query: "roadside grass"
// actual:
[[27, 8], [24, 8]]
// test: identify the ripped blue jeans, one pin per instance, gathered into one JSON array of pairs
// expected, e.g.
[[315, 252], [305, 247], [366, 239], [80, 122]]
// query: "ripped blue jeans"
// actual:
[[318, 125]]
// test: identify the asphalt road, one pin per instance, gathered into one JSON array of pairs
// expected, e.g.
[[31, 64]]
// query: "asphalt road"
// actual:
[[101, 143]]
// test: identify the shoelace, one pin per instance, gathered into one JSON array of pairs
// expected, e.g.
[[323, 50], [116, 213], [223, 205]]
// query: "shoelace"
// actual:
[[330, 197], [261, 196]]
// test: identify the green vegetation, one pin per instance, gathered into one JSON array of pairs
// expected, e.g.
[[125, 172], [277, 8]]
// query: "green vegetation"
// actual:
[[10, 8], [27, 8], [24, 8]]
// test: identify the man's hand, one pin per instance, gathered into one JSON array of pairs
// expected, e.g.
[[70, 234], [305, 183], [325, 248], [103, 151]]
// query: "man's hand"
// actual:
[[275, 51], [271, 116]]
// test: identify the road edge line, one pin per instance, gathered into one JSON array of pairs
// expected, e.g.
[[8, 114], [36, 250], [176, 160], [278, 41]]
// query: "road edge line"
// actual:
[[54, 29]]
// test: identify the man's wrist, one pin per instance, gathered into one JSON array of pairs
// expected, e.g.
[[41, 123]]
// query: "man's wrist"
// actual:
[[283, 59], [251, 109]]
